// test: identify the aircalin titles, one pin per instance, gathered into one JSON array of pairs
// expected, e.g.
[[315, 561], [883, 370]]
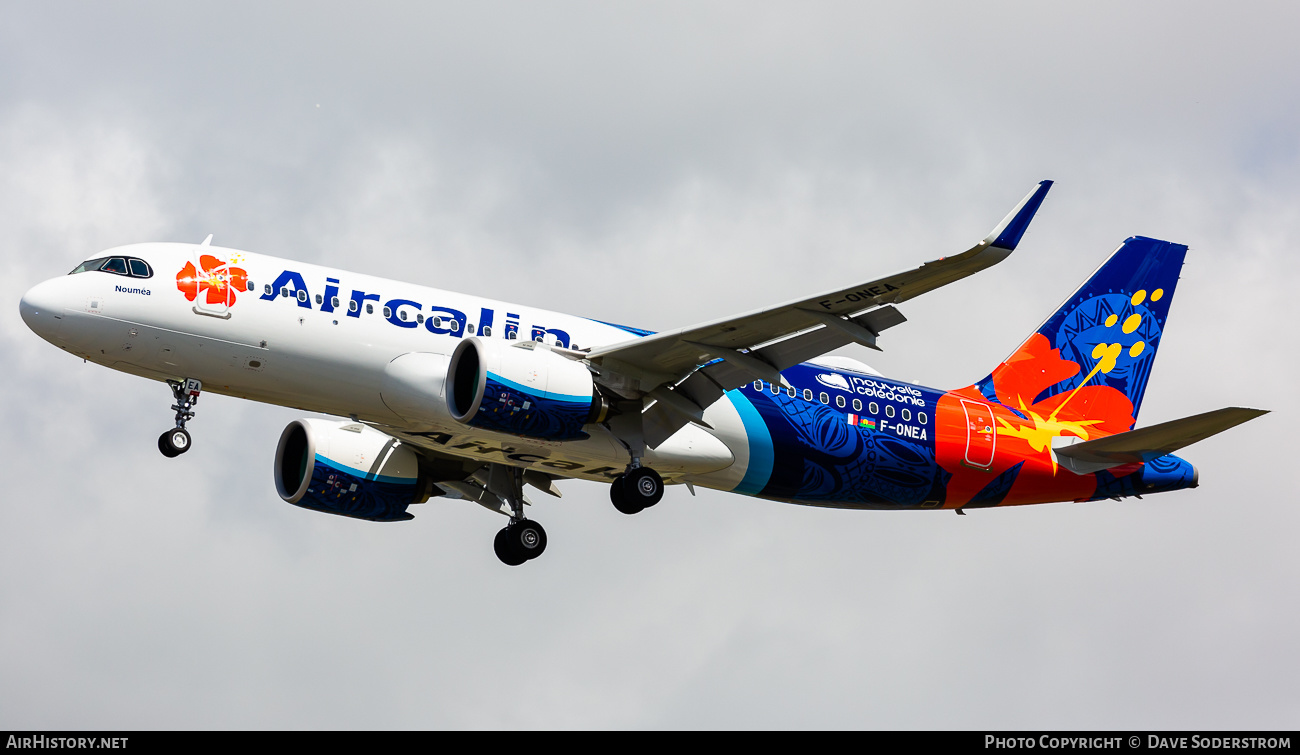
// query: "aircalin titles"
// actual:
[[440, 320]]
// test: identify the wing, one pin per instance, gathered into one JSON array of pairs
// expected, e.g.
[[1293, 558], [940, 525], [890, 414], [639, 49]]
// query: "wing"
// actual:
[[486, 483], [684, 371]]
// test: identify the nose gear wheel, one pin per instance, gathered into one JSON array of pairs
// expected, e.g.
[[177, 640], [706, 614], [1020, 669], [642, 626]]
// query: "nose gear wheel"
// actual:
[[173, 443], [177, 441]]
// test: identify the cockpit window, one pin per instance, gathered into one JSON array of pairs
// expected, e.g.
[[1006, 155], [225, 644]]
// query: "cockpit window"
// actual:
[[136, 268], [89, 265], [115, 265]]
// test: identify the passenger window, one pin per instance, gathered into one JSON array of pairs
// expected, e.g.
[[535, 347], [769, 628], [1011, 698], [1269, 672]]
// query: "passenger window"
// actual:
[[437, 322], [776, 389], [791, 391], [889, 410], [302, 296], [140, 269], [857, 405], [267, 289], [807, 394], [284, 291], [907, 415], [920, 417], [115, 265], [401, 314], [469, 328], [824, 398], [874, 407], [352, 306], [251, 286], [455, 326], [758, 385], [487, 331], [839, 401], [388, 312], [419, 319], [320, 299], [370, 309], [334, 302]]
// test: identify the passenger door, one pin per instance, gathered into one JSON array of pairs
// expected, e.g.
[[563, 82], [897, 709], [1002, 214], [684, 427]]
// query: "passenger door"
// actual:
[[981, 434]]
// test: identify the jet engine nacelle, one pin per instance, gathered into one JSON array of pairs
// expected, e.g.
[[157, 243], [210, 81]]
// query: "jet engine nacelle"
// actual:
[[531, 392], [347, 468]]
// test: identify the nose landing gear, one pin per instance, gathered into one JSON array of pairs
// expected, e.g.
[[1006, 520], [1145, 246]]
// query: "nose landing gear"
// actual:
[[175, 442]]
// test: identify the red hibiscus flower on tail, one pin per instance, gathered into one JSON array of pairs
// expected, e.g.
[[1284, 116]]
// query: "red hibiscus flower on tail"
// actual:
[[1026, 434]]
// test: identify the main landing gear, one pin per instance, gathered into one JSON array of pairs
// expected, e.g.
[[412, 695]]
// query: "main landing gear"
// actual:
[[175, 442], [637, 489], [523, 539]]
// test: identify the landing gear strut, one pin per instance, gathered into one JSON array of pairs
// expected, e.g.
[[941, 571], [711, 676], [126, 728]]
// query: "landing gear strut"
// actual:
[[177, 441], [636, 490], [523, 539]]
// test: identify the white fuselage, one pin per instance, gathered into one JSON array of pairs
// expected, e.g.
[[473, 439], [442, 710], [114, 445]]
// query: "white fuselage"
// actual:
[[386, 370]]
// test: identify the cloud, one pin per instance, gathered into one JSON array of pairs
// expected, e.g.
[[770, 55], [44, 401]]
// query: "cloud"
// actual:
[[653, 165]]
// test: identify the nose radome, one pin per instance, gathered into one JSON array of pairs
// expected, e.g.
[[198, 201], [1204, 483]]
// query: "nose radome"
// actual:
[[42, 309]]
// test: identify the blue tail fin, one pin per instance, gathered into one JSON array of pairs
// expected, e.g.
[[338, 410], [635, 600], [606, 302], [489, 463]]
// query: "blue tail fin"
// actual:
[[1105, 336]]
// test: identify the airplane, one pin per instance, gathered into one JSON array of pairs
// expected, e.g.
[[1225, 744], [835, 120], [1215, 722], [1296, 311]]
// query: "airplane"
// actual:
[[442, 394]]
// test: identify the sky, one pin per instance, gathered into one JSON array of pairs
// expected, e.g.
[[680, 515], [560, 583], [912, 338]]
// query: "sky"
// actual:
[[654, 164]]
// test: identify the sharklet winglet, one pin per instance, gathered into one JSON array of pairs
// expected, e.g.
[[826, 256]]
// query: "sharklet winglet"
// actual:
[[1007, 234]]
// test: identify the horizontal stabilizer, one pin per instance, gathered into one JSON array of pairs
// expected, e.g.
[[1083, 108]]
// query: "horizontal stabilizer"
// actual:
[[1136, 446]]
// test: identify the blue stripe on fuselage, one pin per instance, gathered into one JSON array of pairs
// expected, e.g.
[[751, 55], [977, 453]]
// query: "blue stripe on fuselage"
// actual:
[[761, 455]]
